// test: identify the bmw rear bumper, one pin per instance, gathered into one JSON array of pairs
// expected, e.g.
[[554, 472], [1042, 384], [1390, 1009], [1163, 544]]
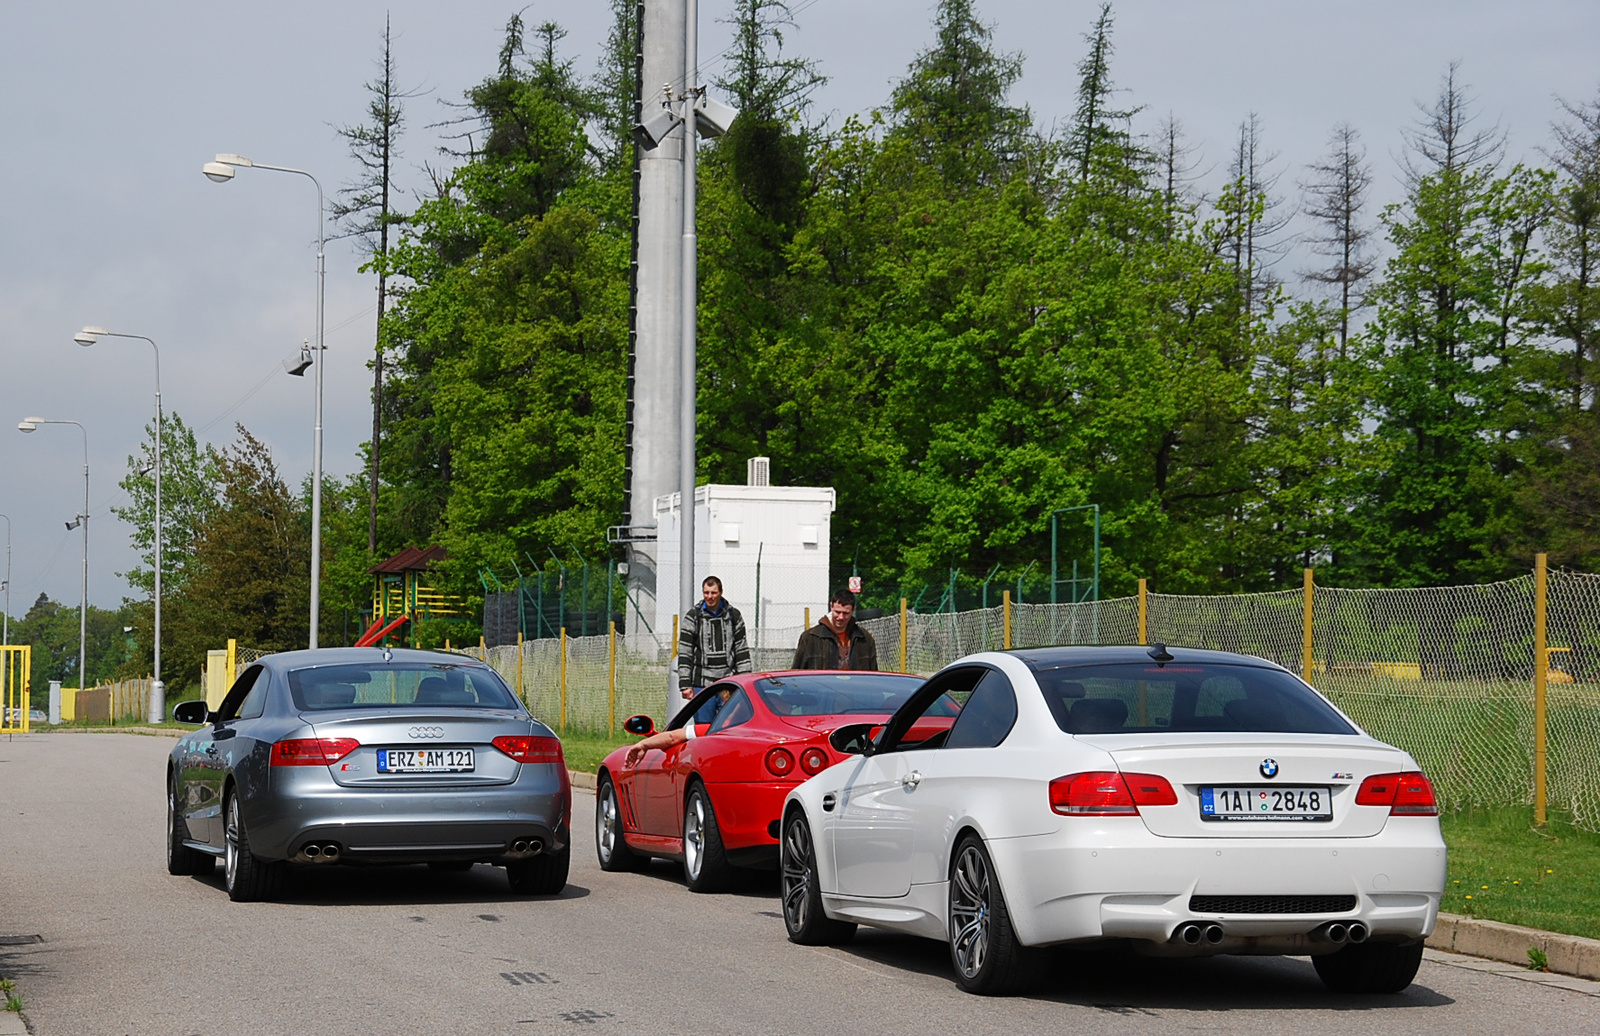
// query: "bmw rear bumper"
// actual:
[[1137, 886], [410, 825]]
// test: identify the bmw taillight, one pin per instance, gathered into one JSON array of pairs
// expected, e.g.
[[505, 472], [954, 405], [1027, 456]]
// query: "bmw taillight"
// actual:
[[526, 749], [1406, 794], [813, 760], [1107, 793], [779, 762], [312, 751]]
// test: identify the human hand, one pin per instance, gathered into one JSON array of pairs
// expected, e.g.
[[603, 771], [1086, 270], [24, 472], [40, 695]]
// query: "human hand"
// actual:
[[687, 693], [635, 754]]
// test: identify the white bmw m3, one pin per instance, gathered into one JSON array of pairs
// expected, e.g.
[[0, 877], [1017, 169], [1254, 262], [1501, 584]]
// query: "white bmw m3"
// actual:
[[1182, 802]]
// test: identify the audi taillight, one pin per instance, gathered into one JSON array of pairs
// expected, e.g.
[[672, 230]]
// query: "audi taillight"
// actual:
[[1406, 794], [526, 749], [779, 762], [813, 760], [312, 751], [1107, 793]]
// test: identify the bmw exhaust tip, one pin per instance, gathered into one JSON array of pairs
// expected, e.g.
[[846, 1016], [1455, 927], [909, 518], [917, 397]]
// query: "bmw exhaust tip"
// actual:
[[1189, 933], [1213, 934], [1357, 932]]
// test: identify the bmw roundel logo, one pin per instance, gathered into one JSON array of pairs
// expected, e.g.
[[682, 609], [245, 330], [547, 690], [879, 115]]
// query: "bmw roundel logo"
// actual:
[[421, 732], [1269, 768]]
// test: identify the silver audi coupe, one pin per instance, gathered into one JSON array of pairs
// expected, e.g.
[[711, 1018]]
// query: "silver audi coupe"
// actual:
[[350, 756]]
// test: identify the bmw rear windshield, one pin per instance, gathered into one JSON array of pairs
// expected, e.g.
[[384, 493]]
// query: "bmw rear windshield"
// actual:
[[388, 685], [834, 694], [1144, 697]]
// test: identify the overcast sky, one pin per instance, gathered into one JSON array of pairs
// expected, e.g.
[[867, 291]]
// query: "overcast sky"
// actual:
[[109, 110]]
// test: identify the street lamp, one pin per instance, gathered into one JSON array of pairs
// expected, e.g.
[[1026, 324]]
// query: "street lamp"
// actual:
[[5, 638], [158, 690], [29, 424], [221, 171]]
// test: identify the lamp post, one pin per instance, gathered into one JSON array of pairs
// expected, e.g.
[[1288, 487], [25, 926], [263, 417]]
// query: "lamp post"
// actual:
[[30, 424], [690, 298], [221, 171], [158, 690], [5, 638]]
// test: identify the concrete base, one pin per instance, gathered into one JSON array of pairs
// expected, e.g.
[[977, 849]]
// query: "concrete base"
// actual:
[[1568, 954]]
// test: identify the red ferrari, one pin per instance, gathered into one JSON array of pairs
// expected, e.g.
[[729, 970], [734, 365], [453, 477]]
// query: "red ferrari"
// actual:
[[714, 801]]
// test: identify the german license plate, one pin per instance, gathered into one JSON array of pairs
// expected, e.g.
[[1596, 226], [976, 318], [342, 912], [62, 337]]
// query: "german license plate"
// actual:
[[1258, 803], [424, 760]]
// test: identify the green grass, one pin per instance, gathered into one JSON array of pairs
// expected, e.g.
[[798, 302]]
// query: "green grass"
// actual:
[[1503, 869], [584, 749]]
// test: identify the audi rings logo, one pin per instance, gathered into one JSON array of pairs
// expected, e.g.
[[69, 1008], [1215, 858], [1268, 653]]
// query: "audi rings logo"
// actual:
[[423, 732]]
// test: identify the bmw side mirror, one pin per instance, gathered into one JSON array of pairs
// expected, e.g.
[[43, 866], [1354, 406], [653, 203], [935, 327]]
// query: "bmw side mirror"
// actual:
[[643, 726], [855, 739], [192, 712]]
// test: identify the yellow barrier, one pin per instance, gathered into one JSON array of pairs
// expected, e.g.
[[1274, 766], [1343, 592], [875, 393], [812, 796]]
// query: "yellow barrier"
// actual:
[[16, 675]]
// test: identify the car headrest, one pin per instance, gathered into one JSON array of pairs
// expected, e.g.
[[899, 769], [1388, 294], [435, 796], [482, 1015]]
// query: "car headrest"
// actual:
[[1097, 715], [330, 695], [436, 690]]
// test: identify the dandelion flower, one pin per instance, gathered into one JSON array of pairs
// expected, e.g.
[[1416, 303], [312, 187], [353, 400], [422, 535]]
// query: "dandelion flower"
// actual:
[[1469, 895]]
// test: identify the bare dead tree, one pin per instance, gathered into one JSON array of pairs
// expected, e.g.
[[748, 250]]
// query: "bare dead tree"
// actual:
[[1176, 165], [1256, 216], [1334, 195], [365, 210], [1574, 237], [1444, 138]]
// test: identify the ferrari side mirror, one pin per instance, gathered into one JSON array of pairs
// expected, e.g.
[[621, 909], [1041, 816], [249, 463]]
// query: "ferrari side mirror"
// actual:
[[643, 726]]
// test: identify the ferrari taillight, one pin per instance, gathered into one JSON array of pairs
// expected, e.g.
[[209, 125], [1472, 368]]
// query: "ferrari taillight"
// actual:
[[813, 760], [312, 751], [1107, 793], [525, 749], [779, 762], [1406, 794]]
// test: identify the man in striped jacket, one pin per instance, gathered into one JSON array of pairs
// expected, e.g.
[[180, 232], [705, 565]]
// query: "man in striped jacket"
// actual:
[[711, 645]]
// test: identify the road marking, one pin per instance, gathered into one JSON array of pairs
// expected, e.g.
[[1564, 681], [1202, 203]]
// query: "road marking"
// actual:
[[529, 978]]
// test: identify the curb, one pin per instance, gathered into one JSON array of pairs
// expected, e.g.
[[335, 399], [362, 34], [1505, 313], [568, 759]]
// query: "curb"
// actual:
[[582, 779], [1509, 943]]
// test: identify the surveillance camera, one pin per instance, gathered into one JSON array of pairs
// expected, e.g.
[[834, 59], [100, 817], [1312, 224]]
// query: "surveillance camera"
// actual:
[[654, 129], [712, 118], [297, 365]]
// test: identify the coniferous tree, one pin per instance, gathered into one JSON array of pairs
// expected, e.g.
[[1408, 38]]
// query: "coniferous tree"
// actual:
[[1334, 197], [367, 210]]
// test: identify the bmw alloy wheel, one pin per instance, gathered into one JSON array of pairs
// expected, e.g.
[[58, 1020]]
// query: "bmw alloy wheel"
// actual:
[[797, 870], [969, 911]]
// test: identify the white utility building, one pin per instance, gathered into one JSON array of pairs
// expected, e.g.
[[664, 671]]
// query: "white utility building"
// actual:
[[768, 545]]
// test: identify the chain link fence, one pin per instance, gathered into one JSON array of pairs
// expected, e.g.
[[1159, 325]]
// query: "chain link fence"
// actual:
[[1444, 672]]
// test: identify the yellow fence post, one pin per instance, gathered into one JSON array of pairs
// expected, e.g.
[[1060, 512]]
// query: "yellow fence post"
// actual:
[[1306, 659], [808, 617], [233, 663], [903, 667], [1005, 621], [563, 678], [522, 691], [1541, 663], [612, 662], [1144, 612], [483, 649]]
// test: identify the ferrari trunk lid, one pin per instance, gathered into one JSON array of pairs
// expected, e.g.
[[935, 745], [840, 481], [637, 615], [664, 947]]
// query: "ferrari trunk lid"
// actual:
[[421, 748], [1258, 786]]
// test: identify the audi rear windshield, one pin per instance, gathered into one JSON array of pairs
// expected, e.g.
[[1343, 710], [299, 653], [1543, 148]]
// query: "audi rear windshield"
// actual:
[[382, 686], [834, 694], [1135, 697]]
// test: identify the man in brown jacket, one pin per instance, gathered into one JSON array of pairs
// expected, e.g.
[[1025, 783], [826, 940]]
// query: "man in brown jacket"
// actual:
[[838, 641]]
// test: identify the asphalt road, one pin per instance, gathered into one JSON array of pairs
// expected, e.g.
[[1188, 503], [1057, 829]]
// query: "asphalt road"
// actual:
[[126, 948]]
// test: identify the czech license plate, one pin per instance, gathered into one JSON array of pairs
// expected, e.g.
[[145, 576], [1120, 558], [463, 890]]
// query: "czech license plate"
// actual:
[[1258, 803], [424, 760]]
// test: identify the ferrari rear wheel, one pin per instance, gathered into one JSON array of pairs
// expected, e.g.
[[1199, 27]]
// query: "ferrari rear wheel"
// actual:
[[544, 875], [803, 916], [609, 844], [1369, 967], [983, 946], [705, 864], [248, 878], [180, 858]]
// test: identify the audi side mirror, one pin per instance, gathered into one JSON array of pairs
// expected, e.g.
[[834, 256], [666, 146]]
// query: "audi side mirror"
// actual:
[[192, 712], [643, 726], [855, 739]]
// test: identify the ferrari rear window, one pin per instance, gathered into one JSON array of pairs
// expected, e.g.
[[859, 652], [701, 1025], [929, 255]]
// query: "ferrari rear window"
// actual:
[[1142, 698], [835, 694], [381, 686]]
